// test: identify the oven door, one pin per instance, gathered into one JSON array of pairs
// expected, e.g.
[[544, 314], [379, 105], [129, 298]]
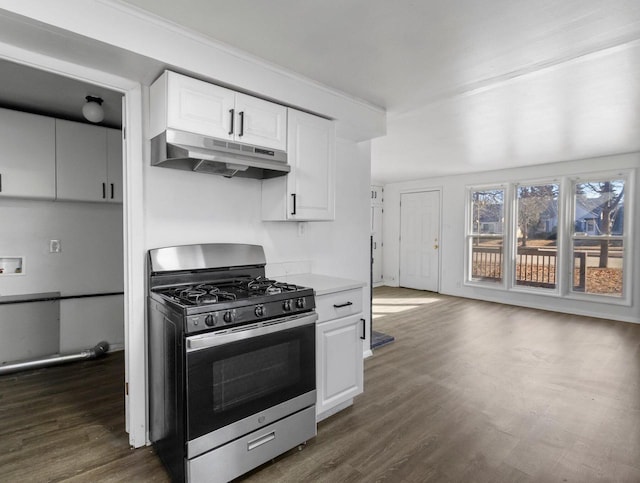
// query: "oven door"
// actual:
[[244, 378]]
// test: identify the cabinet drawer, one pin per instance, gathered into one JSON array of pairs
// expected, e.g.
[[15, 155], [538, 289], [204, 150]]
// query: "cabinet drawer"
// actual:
[[339, 304]]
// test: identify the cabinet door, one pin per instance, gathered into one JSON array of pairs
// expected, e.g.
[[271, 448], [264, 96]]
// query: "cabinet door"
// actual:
[[114, 165], [81, 161], [260, 122], [28, 164], [199, 107], [339, 361], [311, 153]]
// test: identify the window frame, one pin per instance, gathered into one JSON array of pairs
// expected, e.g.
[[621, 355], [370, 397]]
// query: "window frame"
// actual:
[[565, 236], [513, 285], [469, 235], [627, 237]]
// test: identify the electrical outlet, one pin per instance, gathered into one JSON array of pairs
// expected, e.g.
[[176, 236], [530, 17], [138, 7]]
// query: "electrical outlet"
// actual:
[[55, 246]]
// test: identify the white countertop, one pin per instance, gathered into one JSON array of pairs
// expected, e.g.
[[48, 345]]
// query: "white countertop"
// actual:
[[323, 284]]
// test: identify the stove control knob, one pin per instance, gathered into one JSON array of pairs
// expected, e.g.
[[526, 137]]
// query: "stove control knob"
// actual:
[[209, 320], [286, 305], [229, 317], [259, 311], [300, 303]]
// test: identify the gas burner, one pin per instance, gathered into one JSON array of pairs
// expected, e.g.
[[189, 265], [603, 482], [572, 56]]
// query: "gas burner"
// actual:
[[201, 294], [267, 286]]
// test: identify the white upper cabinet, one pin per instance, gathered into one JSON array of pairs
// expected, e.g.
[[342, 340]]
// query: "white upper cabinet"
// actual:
[[260, 122], [308, 192], [27, 164], [192, 105], [114, 165], [83, 163]]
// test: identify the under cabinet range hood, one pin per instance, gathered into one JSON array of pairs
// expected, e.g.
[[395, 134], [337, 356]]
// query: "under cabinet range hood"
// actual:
[[203, 154]]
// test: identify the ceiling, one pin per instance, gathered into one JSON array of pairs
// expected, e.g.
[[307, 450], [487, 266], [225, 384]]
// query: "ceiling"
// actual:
[[40, 92], [468, 85]]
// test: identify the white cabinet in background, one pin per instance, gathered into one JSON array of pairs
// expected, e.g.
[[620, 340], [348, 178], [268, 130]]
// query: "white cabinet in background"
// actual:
[[339, 359], [187, 104], [28, 164], [88, 162], [114, 165], [308, 191]]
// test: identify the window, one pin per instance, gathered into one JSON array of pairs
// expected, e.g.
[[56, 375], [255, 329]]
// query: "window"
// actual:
[[537, 236], [485, 236], [566, 237], [598, 237]]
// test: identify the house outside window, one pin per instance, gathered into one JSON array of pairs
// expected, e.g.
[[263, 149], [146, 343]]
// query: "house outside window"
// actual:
[[485, 235], [598, 240], [567, 237], [536, 254]]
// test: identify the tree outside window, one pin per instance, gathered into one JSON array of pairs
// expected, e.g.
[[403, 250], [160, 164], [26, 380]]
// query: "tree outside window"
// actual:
[[537, 230], [486, 235], [598, 238]]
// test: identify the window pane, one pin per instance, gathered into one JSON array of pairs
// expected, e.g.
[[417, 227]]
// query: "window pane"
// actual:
[[486, 259], [486, 240], [599, 208], [537, 228], [597, 266], [487, 212]]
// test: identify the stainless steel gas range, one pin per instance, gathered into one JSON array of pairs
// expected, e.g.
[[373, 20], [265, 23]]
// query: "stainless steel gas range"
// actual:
[[231, 361]]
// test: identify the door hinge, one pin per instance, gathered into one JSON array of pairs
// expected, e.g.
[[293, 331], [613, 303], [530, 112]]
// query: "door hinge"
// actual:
[[124, 133], [126, 388]]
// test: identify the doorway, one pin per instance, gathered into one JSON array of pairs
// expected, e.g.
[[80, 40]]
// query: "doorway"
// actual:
[[420, 240], [72, 240]]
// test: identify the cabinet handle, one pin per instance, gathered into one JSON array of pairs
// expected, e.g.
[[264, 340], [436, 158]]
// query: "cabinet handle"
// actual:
[[293, 196], [0, 183], [111, 190], [104, 191], [232, 114], [364, 327], [241, 114], [339, 306]]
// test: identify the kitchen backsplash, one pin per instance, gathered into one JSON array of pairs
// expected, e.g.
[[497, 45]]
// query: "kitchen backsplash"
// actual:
[[282, 269]]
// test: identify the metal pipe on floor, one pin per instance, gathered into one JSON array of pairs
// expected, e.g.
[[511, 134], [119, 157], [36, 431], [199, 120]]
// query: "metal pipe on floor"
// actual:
[[93, 353]]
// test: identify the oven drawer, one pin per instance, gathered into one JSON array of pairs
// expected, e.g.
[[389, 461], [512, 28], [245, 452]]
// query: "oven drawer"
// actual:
[[339, 304], [236, 458]]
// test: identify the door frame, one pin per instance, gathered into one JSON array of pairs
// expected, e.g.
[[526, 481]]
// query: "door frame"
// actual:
[[133, 224], [413, 191]]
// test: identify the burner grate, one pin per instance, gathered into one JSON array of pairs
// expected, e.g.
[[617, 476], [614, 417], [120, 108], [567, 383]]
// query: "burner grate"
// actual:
[[269, 287], [201, 294]]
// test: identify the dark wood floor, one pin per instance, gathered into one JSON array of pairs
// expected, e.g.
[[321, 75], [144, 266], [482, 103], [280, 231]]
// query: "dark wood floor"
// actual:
[[470, 391]]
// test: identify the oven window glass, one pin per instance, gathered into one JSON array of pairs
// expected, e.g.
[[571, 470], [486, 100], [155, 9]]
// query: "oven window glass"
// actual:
[[245, 377], [230, 382]]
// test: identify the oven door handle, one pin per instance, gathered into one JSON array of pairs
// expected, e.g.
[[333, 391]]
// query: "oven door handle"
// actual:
[[214, 339]]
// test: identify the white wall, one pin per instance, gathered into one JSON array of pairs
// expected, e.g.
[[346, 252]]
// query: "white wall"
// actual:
[[453, 235], [184, 207], [90, 262]]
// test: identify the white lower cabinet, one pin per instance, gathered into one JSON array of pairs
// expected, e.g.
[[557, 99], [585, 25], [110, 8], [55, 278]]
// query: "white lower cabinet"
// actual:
[[339, 358]]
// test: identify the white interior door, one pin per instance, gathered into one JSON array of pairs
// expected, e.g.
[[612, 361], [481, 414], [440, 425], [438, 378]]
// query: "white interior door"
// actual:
[[420, 240]]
